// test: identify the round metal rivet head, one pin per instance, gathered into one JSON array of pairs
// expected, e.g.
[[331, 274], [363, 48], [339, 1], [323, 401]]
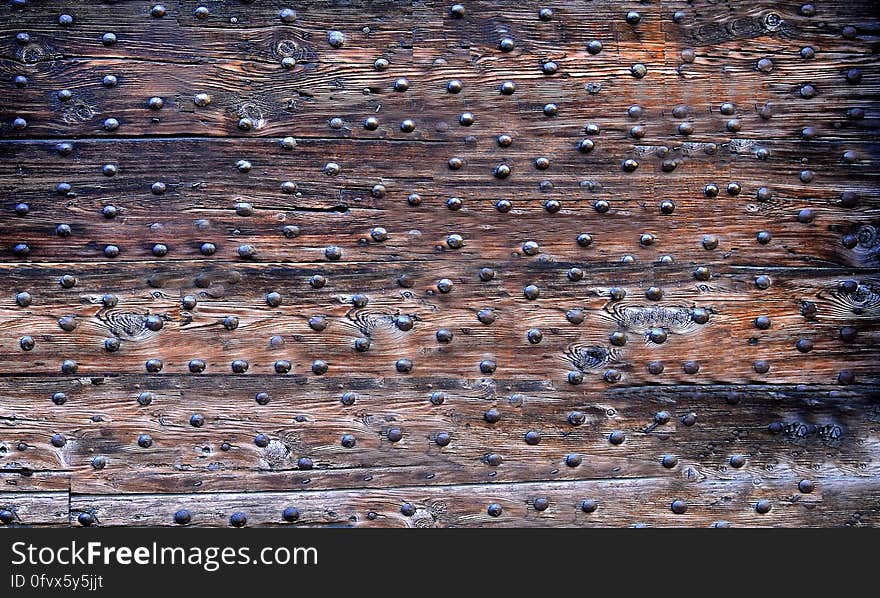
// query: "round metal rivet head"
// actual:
[[487, 366], [305, 463], [262, 398], [68, 366], [804, 345], [545, 14], [454, 86], [182, 517], [362, 345], [404, 322], [762, 366], [282, 366], [763, 506], [319, 367], [444, 336], [710, 190], [573, 460], [502, 171], [654, 293], [401, 84], [669, 461], [806, 486], [23, 299], [486, 316], [689, 419], [408, 126], [575, 377], [611, 376], [273, 299], [494, 510], [58, 440], [443, 439], [371, 123], [690, 367], [438, 397], [20, 81], [762, 322], [59, 398], [616, 437], [541, 504], [349, 398], [586, 146], [737, 461], [145, 441], [534, 336], [846, 377], [655, 368], [290, 514], [508, 88], [702, 273], [807, 91], [763, 282], [493, 459], [196, 366], [657, 335], [238, 520], [395, 435], [492, 416], [86, 519], [336, 39], [617, 338], [594, 46], [699, 315], [160, 250], [531, 292], [617, 293], [486, 274], [584, 239], [854, 76], [404, 366], [532, 437], [261, 440], [589, 505], [848, 334], [638, 70], [145, 398], [444, 285], [679, 507], [287, 15], [153, 366], [629, 165], [239, 366], [64, 95], [549, 67]]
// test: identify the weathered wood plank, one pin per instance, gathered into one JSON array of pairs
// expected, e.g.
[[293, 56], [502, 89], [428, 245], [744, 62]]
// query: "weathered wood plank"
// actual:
[[618, 503]]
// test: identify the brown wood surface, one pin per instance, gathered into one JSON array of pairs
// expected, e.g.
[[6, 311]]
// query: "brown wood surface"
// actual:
[[743, 417]]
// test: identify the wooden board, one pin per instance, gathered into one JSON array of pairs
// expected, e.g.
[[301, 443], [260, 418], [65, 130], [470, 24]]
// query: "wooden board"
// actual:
[[371, 282]]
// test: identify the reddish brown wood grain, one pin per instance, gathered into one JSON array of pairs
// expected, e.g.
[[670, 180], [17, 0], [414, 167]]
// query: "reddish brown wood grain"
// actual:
[[761, 299]]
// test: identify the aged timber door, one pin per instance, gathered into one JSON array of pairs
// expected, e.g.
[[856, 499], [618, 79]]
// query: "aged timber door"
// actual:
[[420, 263]]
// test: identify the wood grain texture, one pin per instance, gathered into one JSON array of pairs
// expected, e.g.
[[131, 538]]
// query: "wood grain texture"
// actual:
[[268, 290]]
